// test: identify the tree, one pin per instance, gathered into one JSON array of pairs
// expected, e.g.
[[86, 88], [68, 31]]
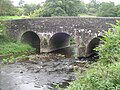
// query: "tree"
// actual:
[[71, 7], [30, 8], [60, 8], [82, 7], [118, 10], [7, 8], [93, 6], [107, 9]]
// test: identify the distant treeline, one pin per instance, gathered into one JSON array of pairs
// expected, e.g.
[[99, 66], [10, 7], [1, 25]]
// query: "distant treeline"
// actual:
[[60, 8]]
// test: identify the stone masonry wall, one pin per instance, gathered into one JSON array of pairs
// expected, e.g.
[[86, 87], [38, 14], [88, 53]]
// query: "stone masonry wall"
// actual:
[[82, 29]]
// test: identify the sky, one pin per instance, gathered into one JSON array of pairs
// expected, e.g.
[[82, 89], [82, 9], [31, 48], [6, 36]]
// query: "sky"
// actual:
[[15, 2]]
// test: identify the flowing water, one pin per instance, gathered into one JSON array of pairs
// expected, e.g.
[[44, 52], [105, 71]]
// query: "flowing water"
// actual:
[[39, 75], [40, 72]]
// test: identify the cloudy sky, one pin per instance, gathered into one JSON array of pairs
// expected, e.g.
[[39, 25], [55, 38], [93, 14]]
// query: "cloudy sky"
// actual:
[[40, 1]]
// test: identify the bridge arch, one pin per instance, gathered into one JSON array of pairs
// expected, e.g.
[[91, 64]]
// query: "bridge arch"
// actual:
[[93, 44], [32, 39], [59, 40]]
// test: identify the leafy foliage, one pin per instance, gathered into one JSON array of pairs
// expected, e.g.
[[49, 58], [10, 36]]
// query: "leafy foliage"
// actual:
[[99, 78], [118, 10], [7, 8], [76, 7], [61, 8], [107, 10], [109, 52], [93, 7], [104, 74], [28, 9], [8, 60]]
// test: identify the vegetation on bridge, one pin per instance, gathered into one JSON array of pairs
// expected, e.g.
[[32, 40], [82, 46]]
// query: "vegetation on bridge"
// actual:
[[104, 74]]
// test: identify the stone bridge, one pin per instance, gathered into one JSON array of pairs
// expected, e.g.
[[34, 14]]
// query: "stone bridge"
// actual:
[[48, 34]]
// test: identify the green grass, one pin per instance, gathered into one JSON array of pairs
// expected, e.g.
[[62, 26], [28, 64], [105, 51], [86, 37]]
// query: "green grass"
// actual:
[[9, 49], [86, 15], [13, 48], [9, 17], [12, 17]]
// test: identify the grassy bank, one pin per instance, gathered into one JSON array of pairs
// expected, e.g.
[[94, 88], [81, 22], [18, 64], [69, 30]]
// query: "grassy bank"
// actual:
[[11, 48], [104, 74], [8, 46]]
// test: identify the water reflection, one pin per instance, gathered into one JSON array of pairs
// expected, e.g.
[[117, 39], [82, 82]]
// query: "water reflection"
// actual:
[[68, 51]]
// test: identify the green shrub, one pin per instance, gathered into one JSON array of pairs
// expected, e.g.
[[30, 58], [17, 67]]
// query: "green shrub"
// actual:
[[104, 74], [109, 51], [4, 61], [99, 78], [11, 59]]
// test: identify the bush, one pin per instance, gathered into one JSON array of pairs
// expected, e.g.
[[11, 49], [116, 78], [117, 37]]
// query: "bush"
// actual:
[[99, 78], [109, 51], [104, 74]]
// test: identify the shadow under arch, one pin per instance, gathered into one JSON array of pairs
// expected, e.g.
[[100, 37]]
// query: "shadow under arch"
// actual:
[[92, 45], [32, 39], [59, 43]]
